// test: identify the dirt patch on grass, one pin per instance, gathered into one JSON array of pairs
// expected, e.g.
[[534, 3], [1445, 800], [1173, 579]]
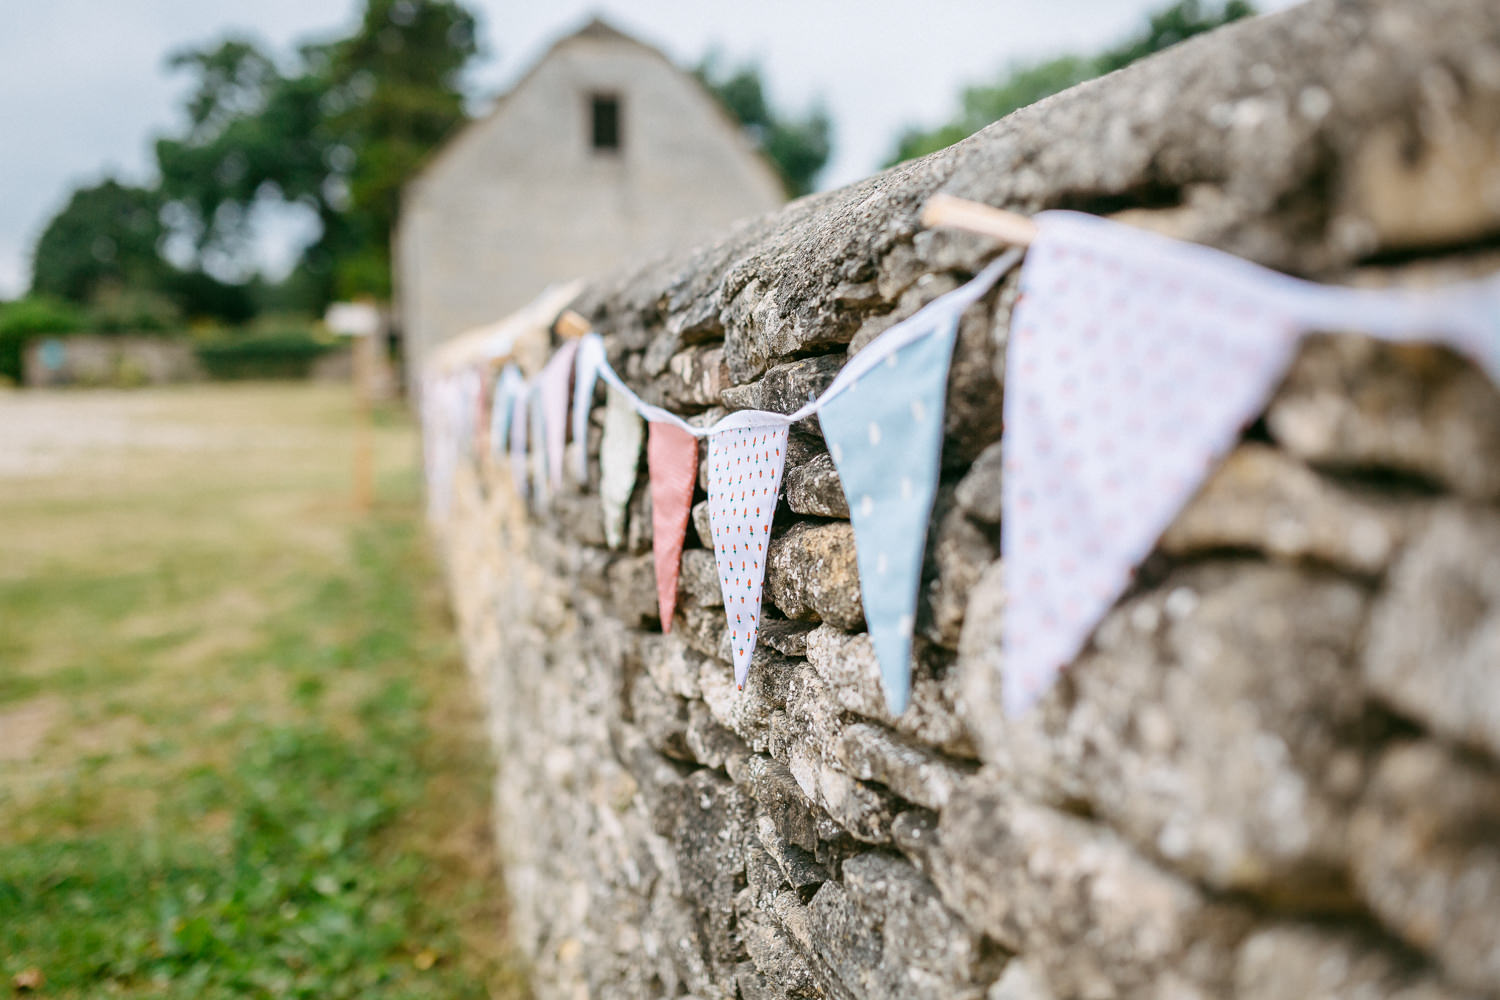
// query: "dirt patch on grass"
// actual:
[[24, 727]]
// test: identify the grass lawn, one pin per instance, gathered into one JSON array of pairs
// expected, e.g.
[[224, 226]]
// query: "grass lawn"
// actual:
[[239, 755]]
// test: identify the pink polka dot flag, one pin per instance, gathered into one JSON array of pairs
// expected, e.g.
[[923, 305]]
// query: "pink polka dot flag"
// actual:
[[1133, 365]]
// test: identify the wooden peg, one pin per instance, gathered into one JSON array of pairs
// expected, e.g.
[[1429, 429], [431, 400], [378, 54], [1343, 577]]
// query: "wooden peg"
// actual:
[[571, 325], [960, 213]]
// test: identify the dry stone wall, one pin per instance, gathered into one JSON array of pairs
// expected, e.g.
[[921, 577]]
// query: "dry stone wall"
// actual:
[[1274, 773]]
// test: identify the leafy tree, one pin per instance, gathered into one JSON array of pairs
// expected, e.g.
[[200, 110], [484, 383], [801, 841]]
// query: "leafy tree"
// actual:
[[797, 147], [108, 235], [338, 133], [1026, 83]]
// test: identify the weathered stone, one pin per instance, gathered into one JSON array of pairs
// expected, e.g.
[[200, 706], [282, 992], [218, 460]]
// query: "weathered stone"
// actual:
[[662, 718], [782, 804], [958, 552], [1426, 858], [1434, 638], [846, 666], [748, 713], [784, 635], [1094, 917], [1360, 404], [1018, 982], [974, 413], [638, 525], [783, 973], [978, 493], [1206, 725], [710, 836], [700, 521], [703, 630], [923, 288], [862, 810], [1262, 500], [873, 955], [693, 378], [811, 574], [710, 743], [698, 579], [872, 753], [785, 388], [813, 488], [1291, 960], [632, 581], [673, 664]]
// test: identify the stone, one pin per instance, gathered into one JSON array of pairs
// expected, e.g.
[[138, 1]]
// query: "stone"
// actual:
[[694, 378], [958, 552], [710, 743], [710, 837], [1206, 726], [863, 811], [1018, 982], [748, 713], [1434, 637], [1426, 859], [873, 753], [662, 718], [632, 582], [1089, 913], [978, 492], [698, 579], [811, 574], [1411, 409], [1260, 499], [784, 635], [813, 488], [785, 388], [1292, 960], [848, 678], [974, 414]]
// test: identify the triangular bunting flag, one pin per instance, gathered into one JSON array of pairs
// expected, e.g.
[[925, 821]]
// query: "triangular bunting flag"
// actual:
[[672, 462], [885, 433], [502, 407], [519, 408], [541, 486], [1133, 365], [744, 478], [585, 374], [1129, 376], [619, 461], [553, 384]]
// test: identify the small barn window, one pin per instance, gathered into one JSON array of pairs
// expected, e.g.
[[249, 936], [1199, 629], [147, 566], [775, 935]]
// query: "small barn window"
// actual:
[[606, 122]]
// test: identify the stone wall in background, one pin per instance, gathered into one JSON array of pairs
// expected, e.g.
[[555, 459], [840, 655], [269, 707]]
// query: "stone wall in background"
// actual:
[[1275, 773]]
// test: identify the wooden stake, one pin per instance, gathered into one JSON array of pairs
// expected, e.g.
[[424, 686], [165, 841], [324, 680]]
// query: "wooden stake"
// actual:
[[960, 213], [571, 325]]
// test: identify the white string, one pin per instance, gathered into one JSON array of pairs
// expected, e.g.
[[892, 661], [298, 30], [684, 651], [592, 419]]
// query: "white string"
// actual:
[[919, 324]]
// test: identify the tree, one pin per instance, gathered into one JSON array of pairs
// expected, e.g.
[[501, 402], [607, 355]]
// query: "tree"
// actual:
[[107, 236], [1026, 83], [339, 133], [797, 147]]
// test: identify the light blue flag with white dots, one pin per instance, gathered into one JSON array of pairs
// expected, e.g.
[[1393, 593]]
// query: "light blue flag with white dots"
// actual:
[[885, 432], [883, 420]]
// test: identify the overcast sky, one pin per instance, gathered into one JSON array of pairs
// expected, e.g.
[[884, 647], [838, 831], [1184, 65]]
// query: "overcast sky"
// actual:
[[83, 88]]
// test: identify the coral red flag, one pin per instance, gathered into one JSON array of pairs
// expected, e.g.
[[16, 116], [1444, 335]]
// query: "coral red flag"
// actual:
[[672, 461]]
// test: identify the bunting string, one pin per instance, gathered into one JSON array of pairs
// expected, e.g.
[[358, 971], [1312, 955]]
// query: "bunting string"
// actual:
[[1133, 364]]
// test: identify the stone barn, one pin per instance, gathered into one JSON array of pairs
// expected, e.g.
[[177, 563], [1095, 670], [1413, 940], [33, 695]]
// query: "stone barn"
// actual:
[[604, 153]]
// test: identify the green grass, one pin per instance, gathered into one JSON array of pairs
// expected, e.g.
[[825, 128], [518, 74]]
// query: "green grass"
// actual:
[[260, 773]]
